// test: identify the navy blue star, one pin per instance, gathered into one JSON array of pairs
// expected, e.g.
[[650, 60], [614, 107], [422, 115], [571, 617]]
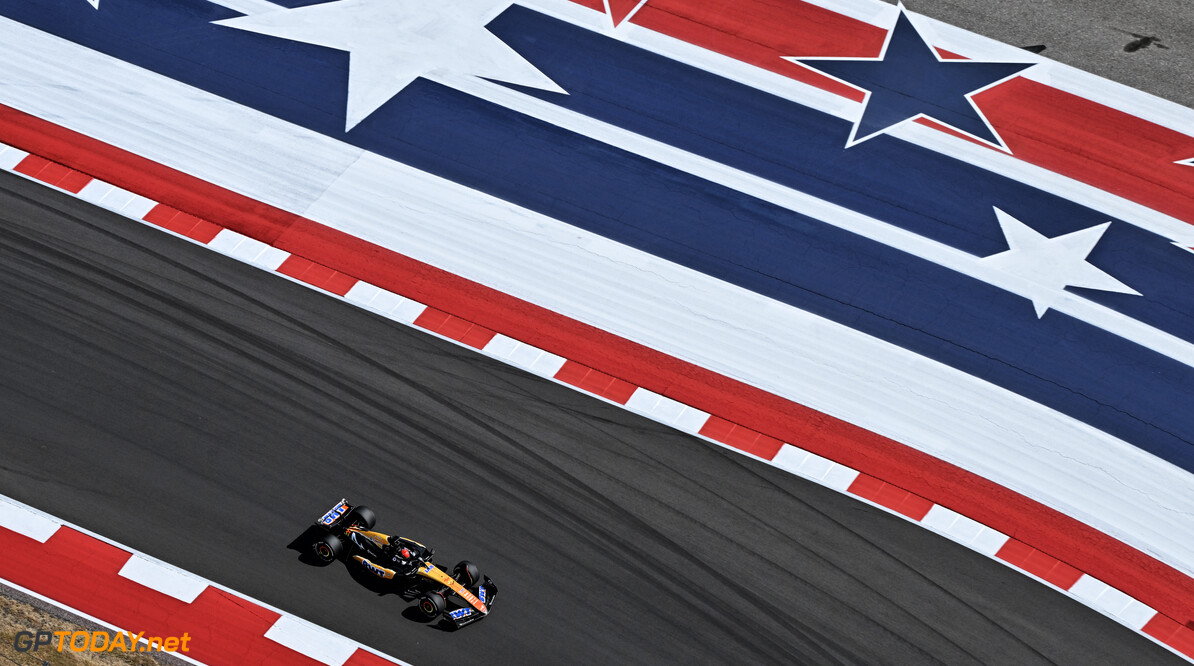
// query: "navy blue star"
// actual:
[[909, 80]]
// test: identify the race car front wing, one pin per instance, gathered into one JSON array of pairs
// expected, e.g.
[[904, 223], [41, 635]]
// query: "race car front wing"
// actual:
[[487, 593]]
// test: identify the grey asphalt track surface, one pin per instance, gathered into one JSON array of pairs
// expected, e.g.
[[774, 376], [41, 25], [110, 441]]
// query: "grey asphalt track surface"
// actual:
[[205, 412], [1145, 44]]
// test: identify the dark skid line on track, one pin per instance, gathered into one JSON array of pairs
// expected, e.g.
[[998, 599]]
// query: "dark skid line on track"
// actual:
[[203, 411]]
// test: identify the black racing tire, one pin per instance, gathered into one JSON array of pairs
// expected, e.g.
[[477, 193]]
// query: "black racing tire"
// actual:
[[432, 604], [327, 548], [466, 573], [362, 515]]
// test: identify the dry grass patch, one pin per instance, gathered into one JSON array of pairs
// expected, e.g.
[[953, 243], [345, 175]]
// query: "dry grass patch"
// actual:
[[18, 615]]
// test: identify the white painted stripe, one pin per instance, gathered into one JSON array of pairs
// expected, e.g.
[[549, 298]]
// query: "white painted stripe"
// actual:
[[95, 191], [964, 530], [113, 198], [988, 541], [248, 250], [385, 302], [407, 311], [814, 467], [528, 357], [20, 519], [994, 433], [1136, 615], [312, 640], [691, 420], [790, 457], [137, 207], [667, 411], [840, 477], [1100, 596], [10, 157], [502, 347], [164, 578]]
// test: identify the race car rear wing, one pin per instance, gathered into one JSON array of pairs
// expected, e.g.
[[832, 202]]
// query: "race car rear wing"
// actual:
[[335, 514]]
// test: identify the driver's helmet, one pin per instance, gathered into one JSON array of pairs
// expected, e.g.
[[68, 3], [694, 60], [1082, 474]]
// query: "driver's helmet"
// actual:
[[399, 550]]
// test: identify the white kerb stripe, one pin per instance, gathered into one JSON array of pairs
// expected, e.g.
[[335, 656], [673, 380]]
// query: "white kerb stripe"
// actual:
[[95, 191], [10, 157], [965, 531], [815, 468], [667, 411], [314, 641], [137, 207], [1136, 615], [164, 578], [501, 346], [248, 250], [19, 519]]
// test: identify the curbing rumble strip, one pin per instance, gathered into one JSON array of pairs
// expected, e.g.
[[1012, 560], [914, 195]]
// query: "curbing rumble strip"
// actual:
[[294, 632]]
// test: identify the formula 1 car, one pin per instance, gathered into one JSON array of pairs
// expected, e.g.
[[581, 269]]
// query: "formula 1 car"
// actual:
[[346, 534]]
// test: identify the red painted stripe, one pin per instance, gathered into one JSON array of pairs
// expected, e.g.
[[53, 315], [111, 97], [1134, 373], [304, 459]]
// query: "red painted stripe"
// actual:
[[41, 169], [82, 572], [762, 32], [455, 328], [53, 173], [1039, 564], [893, 497], [1103, 557], [596, 382], [317, 275], [75, 181], [619, 9], [1176, 636], [181, 223], [741, 437], [1061, 132], [1110, 149]]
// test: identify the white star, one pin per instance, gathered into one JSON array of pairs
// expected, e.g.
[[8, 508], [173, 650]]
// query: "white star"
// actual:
[[393, 42], [1047, 266], [94, 3]]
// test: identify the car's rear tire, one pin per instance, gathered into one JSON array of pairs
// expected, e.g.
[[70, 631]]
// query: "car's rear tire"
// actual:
[[362, 516], [431, 605], [328, 548], [466, 573]]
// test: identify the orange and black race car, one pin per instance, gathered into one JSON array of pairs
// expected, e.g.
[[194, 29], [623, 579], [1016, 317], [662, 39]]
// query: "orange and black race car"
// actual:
[[346, 534]]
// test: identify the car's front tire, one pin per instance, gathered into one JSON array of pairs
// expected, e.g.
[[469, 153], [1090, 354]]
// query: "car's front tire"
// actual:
[[466, 573], [431, 605], [328, 548]]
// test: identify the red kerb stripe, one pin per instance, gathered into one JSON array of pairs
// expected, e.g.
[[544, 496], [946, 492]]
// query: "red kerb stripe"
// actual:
[[1039, 564], [893, 497], [455, 328], [741, 437], [1169, 632]]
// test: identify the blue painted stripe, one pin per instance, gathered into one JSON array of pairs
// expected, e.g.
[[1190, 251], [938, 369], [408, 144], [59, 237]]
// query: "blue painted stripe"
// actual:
[[1096, 377]]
